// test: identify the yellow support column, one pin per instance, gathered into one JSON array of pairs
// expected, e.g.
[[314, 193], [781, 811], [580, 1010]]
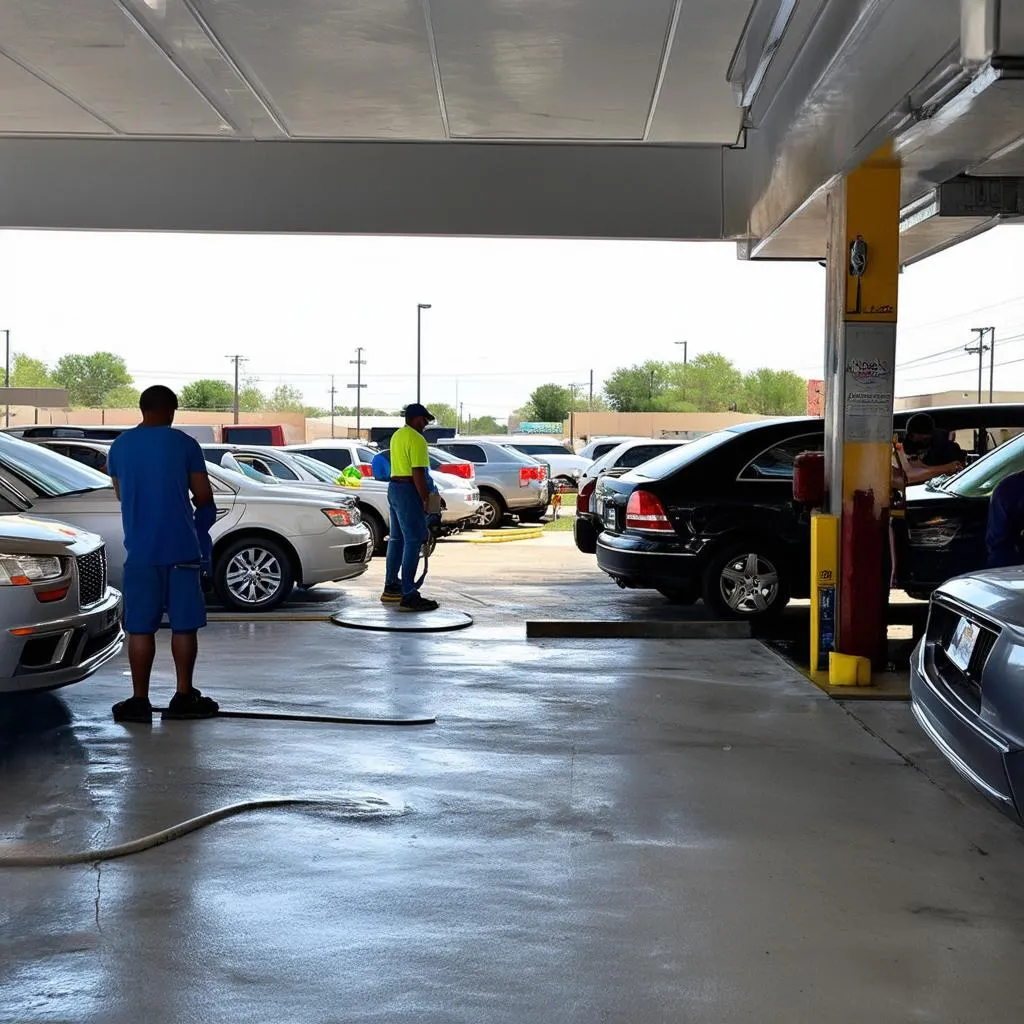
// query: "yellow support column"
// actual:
[[863, 284]]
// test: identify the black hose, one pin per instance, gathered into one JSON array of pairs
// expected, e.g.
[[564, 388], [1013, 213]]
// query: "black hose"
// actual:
[[350, 808], [273, 716]]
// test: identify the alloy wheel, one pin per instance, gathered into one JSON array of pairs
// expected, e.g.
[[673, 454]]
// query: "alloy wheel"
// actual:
[[253, 575], [749, 584]]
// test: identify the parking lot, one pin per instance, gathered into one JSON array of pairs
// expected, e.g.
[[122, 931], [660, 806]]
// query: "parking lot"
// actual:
[[615, 830]]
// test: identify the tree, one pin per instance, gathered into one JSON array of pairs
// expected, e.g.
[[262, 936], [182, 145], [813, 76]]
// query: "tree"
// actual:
[[774, 392], [548, 403], [207, 394], [251, 399], [285, 398], [124, 396], [27, 372], [637, 388], [488, 425], [444, 414], [88, 379], [708, 383]]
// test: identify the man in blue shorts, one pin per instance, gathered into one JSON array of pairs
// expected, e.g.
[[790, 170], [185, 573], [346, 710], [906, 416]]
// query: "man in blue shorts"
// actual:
[[154, 469]]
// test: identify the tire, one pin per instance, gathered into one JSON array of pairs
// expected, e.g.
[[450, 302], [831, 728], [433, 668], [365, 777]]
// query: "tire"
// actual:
[[584, 533], [747, 580], [680, 595], [532, 515], [372, 521], [240, 593], [492, 511]]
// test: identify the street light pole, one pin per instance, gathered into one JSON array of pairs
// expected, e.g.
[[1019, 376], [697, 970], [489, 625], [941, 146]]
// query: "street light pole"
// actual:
[[7, 373], [419, 334], [686, 348]]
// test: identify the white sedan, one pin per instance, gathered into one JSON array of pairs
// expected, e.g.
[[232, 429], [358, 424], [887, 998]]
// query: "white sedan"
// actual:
[[265, 540]]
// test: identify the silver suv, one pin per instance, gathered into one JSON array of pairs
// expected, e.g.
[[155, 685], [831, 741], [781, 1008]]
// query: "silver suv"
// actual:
[[510, 482], [60, 619]]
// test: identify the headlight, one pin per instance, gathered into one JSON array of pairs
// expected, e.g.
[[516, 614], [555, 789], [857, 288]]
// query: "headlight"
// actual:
[[24, 570], [343, 516]]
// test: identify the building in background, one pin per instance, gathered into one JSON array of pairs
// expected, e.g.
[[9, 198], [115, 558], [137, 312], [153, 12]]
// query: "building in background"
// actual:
[[815, 398]]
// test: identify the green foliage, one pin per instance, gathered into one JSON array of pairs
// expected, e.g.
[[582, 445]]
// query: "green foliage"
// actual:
[[89, 379], [708, 383], [251, 399], [445, 415], [548, 403], [774, 393], [207, 394], [285, 398], [638, 388], [27, 372], [124, 396], [488, 425]]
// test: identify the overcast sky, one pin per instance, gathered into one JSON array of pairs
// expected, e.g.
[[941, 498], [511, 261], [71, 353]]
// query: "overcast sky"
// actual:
[[507, 315]]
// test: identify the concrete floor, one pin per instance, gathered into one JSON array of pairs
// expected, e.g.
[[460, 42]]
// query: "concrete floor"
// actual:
[[610, 831]]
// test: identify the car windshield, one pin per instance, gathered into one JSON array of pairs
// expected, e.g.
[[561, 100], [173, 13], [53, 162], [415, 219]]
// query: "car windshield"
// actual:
[[980, 478], [319, 469], [542, 449], [46, 472], [676, 458]]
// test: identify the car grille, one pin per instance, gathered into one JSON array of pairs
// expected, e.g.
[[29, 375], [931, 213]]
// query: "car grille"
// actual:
[[92, 577], [942, 621]]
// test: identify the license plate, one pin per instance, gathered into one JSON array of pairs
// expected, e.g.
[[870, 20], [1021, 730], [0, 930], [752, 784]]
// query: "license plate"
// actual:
[[961, 647]]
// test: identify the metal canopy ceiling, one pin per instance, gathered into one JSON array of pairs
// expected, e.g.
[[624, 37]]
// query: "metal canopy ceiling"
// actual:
[[372, 69]]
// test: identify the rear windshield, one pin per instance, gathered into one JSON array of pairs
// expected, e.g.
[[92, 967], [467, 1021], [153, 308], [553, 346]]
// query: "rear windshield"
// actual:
[[542, 449], [676, 458]]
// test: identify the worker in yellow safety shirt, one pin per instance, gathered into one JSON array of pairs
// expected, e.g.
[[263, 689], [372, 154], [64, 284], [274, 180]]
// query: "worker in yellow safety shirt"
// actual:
[[408, 500]]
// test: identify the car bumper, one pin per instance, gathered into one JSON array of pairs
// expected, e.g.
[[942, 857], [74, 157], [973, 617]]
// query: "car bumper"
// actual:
[[459, 508], [585, 531], [989, 761], [536, 495], [637, 561], [63, 650], [343, 553]]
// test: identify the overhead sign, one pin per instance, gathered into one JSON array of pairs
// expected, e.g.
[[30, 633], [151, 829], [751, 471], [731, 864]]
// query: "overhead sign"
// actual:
[[540, 428]]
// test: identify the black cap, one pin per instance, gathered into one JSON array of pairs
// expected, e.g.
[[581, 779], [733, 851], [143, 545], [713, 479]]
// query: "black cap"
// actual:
[[415, 409], [920, 424]]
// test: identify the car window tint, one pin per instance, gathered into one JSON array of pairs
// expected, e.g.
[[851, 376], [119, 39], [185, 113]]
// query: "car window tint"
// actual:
[[639, 454], [366, 454], [280, 470], [776, 463], [676, 458], [339, 458], [603, 449], [469, 452]]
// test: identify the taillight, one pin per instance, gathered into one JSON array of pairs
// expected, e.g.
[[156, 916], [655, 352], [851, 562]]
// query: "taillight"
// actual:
[[528, 473], [460, 469], [583, 498], [645, 512], [366, 469]]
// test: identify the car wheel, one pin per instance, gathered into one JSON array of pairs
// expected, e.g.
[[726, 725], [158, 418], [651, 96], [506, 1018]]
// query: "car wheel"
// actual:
[[680, 595], [492, 511], [378, 545], [746, 581], [585, 534], [253, 574]]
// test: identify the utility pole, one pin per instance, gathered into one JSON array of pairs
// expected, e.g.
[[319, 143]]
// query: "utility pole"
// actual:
[[7, 373], [686, 348], [236, 360], [980, 348], [590, 403], [358, 363], [419, 334], [458, 425], [333, 392]]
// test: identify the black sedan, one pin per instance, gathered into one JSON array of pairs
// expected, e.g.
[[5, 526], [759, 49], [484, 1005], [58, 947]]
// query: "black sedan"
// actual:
[[714, 519], [966, 685]]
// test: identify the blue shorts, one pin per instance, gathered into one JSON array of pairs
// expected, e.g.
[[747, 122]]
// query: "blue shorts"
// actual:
[[151, 590]]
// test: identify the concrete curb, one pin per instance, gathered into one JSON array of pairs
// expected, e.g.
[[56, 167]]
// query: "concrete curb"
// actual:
[[504, 537], [636, 630]]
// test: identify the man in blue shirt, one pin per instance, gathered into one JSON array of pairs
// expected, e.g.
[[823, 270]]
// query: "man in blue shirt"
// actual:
[[1003, 538], [154, 468]]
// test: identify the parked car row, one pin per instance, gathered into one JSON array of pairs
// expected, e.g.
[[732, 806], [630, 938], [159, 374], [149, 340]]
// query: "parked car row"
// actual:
[[715, 519]]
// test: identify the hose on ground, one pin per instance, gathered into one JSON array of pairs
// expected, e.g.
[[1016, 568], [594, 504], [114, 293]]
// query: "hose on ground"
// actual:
[[275, 716], [368, 808]]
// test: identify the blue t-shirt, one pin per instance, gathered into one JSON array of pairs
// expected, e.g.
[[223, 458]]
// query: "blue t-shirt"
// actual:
[[1006, 523], [152, 467], [381, 470]]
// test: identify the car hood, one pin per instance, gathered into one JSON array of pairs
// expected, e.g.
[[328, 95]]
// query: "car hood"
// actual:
[[921, 494], [996, 593], [27, 535]]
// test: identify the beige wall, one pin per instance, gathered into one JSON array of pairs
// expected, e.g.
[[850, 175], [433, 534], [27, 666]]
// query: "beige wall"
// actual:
[[957, 398], [654, 424], [294, 423]]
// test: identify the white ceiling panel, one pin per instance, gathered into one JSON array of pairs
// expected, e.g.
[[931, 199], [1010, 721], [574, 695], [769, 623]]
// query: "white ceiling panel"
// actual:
[[95, 54], [31, 107], [696, 103], [549, 69], [335, 68]]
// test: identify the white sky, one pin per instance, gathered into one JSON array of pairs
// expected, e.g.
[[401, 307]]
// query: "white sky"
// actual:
[[507, 315]]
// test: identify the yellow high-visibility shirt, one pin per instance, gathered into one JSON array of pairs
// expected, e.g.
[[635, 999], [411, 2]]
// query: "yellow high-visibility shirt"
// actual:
[[408, 452]]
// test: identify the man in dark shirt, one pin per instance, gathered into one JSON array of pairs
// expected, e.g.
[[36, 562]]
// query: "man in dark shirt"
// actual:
[[154, 468], [929, 446], [1003, 538]]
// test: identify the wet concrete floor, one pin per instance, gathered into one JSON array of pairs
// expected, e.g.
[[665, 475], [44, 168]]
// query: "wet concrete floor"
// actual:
[[594, 831]]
